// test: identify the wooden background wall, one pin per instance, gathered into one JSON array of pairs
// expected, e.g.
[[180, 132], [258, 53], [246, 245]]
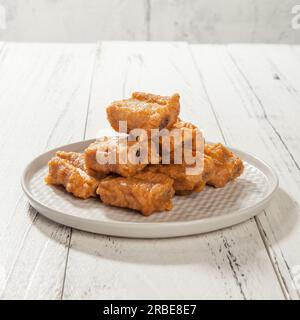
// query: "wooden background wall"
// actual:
[[196, 21]]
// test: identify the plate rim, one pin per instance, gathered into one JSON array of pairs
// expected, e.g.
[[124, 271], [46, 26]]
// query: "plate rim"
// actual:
[[244, 214]]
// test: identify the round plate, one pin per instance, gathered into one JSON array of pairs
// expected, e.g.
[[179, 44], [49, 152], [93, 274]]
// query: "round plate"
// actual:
[[206, 211]]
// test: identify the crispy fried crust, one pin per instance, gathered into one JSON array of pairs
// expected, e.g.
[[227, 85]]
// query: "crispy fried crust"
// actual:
[[134, 184], [75, 180], [144, 111], [185, 126], [146, 192], [105, 148], [182, 135], [225, 165], [75, 158], [219, 167], [183, 183]]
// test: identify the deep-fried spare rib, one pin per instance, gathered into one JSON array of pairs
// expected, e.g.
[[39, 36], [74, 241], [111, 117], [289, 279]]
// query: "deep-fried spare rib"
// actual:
[[75, 158], [144, 111], [187, 178], [184, 127], [226, 165], [183, 183], [145, 192], [78, 160], [182, 135], [117, 155], [75, 180]]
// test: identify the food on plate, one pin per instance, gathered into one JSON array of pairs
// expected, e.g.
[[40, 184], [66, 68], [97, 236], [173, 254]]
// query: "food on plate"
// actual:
[[75, 158], [144, 111], [188, 132], [183, 183], [117, 155], [226, 165], [181, 135], [74, 179], [129, 171], [146, 192]]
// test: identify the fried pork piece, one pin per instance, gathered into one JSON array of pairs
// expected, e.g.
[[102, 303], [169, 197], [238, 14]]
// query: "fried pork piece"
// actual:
[[146, 192], [130, 156], [144, 111], [78, 160], [226, 166], [74, 179], [185, 126], [183, 183], [75, 158], [182, 134]]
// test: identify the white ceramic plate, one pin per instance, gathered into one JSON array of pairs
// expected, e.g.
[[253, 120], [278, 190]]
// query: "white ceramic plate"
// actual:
[[209, 210]]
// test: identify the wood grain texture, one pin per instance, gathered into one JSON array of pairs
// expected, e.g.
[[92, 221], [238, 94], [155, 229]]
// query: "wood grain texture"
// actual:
[[278, 93], [245, 95], [254, 92], [74, 20], [205, 21], [230, 264], [43, 104]]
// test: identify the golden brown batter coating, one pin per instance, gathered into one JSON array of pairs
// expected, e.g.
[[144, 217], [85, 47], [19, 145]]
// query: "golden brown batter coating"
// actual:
[[144, 111], [183, 182], [185, 126], [218, 170], [226, 165], [75, 158], [123, 163], [75, 180], [118, 170], [145, 192], [183, 135]]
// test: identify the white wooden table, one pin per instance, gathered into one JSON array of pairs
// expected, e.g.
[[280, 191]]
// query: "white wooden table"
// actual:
[[247, 96]]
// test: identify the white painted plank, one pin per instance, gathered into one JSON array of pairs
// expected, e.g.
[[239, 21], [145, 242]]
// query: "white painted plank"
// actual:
[[205, 21], [74, 21], [210, 21], [278, 99], [281, 100], [240, 88], [124, 67], [43, 104], [232, 263]]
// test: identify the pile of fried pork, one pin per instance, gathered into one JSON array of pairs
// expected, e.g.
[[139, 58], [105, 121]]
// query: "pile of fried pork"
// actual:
[[149, 184]]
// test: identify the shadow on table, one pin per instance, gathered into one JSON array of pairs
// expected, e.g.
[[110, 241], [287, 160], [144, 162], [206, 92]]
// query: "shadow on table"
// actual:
[[280, 217], [230, 243]]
